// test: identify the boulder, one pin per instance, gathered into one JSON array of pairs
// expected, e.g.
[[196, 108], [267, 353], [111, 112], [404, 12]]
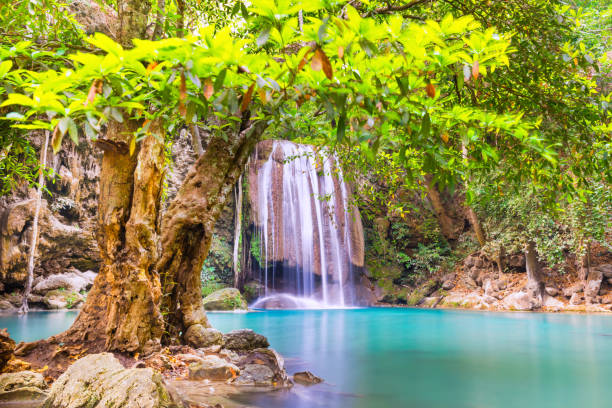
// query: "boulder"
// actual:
[[225, 299], [62, 299], [431, 302], [552, 303], [199, 336], [605, 269], [551, 291], [593, 285], [244, 339], [448, 281], [576, 299], [262, 367], [99, 380], [571, 290], [519, 301], [74, 281], [213, 368], [22, 386], [306, 378]]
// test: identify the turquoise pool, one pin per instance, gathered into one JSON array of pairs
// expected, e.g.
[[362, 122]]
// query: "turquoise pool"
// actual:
[[420, 358]]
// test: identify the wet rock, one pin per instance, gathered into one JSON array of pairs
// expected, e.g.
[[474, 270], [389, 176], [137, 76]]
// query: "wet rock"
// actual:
[[6, 305], [99, 381], [306, 378], [551, 291], [199, 336], [255, 374], [244, 339], [576, 299], [213, 368], [519, 301], [417, 296], [225, 299], [7, 348], [264, 357], [573, 289], [22, 386]]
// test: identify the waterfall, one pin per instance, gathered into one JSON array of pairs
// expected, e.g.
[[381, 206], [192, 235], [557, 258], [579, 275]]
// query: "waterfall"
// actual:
[[309, 237]]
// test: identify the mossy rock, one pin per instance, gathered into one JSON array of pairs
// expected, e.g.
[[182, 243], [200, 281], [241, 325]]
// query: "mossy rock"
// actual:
[[415, 297], [225, 299]]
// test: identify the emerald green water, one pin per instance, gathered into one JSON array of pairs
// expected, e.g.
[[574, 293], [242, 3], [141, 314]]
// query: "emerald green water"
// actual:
[[427, 358]]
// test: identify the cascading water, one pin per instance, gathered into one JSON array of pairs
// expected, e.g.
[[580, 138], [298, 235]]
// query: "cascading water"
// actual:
[[309, 238]]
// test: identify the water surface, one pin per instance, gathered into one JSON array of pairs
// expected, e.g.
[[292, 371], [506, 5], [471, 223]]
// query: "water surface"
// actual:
[[378, 358]]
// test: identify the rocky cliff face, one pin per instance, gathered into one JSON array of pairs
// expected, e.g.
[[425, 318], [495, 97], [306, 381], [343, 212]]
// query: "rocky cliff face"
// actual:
[[67, 222]]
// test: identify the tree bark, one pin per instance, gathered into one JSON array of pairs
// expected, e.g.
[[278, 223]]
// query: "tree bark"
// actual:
[[535, 286], [122, 309], [584, 264], [188, 226], [41, 185], [446, 222], [472, 216]]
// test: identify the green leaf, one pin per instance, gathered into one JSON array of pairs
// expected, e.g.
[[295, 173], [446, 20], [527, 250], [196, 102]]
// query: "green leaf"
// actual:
[[220, 79], [63, 125], [341, 129], [5, 67], [72, 131], [426, 125], [89, 131]]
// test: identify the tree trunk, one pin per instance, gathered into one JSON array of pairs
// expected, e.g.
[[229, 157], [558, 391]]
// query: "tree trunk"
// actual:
[[122, 309], [237, 232], [535, 286], [188, 226], [584, 264], [472, 217], [41, 185], [446, 222]]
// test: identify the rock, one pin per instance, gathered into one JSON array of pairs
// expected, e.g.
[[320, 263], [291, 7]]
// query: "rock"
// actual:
[[431, 301], [199, 336], [225, 299], [306, 378], [22, 386], [551, 291], [519, 301], [244, 339], [255, 374], [7, 348], [61, 299], [605, 269], [417, 296], [74, 281], [576, 299], [6, 305], [489, 288], [593, 285], [552, 303], [99, 381], [213, 368], [448, 285], [571, 290]]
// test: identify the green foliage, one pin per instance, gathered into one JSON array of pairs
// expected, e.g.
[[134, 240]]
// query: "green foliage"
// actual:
[[210, 282]]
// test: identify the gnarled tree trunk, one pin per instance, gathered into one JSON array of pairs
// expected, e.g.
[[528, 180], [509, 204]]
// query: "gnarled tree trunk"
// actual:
[[188, 226], [446, 223]]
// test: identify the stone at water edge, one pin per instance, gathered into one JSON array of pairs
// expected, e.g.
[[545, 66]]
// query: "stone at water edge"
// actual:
[[199, 336], [213, 368], [100, 381], [306, 378], [244, 339], [22, 386], [519, 301], [225, 299], [262, 367], [7, 348]]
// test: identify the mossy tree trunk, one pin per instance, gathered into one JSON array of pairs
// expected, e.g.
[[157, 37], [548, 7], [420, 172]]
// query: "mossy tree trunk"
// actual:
[[188, 225], [535, 285]]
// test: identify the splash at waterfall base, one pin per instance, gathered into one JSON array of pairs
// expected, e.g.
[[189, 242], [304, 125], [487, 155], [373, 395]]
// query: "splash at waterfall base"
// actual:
[[305, 240]]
